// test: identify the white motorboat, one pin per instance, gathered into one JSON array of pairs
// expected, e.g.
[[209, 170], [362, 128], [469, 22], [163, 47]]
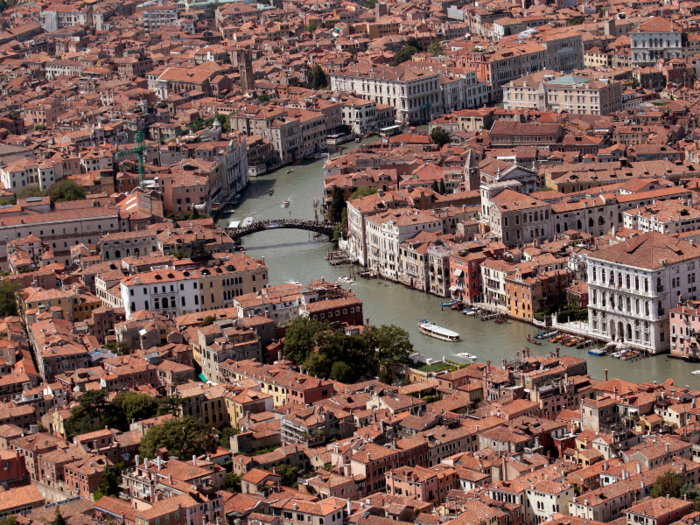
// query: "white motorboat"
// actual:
[[438, 332], [696, 372], [466, 355], [285, 204], [345, 280], [290, 170]]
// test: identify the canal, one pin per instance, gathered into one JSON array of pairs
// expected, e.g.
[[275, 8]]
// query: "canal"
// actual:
[[294, 255]]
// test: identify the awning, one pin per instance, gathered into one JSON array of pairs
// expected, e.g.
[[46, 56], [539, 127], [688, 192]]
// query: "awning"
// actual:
[[453, 288], [203, 378], [458, 272]]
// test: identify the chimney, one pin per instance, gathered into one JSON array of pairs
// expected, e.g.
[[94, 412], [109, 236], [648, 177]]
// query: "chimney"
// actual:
[[668, 447], [295, 506], [349, 508], [145, 463], [194, 460], [639, 468], [606, 374]]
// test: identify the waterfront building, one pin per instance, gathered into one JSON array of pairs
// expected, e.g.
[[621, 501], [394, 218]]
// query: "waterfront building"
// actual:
[[634, 284]]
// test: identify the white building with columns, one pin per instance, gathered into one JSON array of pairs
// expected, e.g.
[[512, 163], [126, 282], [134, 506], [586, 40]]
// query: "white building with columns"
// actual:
[[415, 93], [633, 285]]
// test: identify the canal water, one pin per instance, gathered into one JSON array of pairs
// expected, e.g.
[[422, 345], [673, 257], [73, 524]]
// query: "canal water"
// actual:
[[295, 255]]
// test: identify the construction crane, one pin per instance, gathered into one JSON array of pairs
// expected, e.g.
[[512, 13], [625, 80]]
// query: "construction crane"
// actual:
[[139, 150]]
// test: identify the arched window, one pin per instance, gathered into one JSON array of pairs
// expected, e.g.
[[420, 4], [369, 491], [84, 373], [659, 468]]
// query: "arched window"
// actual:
[[627, 279], [646, 285], [636, 282], [118, 254]]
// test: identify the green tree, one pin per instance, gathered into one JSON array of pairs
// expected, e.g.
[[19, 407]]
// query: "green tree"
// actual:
[[369, 4], [135, 406], [690, 492], [225, 122], [669, 483], [311, 26], [30, 191], [233, 482], [208, 320], [341, 372], [413, 42], [264, 98], [289, 475], [301, 338], [696, 505], [363, 192], [318, 364], [183, 438], [66, 190], [10, 520], [435, 49], [335, 210], [391, 343], [434, 187], [225, 434], [442, 189], [440, 136], [59, 520], [108, 486], [404, 54], [93, 412], [171, 405], [9, 293], [316, 78]]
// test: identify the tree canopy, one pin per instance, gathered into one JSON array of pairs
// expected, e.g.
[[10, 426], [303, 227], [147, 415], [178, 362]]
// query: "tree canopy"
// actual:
[[668, 483], [94, 412], [30, 191], [404, 54], [435, 49], [135, 406], [316, 78], [335, 210], [66, 190], [440, 136], [346, 358], [363, 192], [183, 438], [289, 475], [9, 291]]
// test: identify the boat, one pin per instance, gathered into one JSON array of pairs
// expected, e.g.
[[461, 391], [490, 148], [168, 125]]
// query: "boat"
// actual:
[[696, 372], [236, 199], [346, 280], [466, 355], [437, 332], [457, 306], [542, 335], [597, 351], [357, 139], [271, 191], [470, 311], [290, 170], [285, 204], [533, 340], [320, 155], [449, 303]]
